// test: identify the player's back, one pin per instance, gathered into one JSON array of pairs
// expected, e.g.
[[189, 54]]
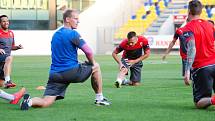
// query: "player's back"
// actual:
[[203, 32], [64, 53]]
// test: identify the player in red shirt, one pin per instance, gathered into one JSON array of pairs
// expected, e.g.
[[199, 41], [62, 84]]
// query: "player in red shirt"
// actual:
[[183, 49], [133, 48], [200, 56], [6, 45]]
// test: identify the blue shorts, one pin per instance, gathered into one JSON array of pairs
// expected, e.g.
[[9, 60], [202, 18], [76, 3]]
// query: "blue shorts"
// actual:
[[58, 82]]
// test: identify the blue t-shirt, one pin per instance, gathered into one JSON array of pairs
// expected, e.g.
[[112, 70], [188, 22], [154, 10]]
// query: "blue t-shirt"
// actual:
[[64, 45]]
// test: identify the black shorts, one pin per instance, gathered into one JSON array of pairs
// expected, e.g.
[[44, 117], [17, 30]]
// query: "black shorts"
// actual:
[[135, 71], [184, 63], [203, 82], [2, 70], [58, 82], [2, 62]]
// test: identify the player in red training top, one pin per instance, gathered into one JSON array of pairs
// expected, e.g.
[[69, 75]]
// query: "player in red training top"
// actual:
[[133, 48], [183, 49], [6, 45], [200, 56]]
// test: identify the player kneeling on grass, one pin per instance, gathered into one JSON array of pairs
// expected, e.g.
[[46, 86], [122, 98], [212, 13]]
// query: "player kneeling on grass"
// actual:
[[200, 56], [133, 48], [65, 68]]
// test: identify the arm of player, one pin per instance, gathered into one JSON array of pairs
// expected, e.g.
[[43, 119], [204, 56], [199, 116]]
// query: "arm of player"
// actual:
[[141, 58], [116, 58], [172, 43], [89, 53], [191, 52], [17, 47]]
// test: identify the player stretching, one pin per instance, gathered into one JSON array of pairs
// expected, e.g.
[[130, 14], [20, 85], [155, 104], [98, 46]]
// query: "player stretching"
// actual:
[[65, 68], [135, 50]]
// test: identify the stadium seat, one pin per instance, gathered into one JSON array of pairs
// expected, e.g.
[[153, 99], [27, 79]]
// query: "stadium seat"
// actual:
[[17, 4], [142, 19]]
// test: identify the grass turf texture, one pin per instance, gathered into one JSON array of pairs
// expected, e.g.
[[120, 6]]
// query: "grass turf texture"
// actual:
[[161, 97]]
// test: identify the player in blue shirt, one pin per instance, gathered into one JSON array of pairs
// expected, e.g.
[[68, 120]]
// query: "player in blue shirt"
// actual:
[[65, 68]]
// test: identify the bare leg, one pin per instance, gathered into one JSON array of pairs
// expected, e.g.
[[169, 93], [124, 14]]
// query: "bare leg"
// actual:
[[96, 79], [8, 66], [43, 102], [203, 103], [122, 73]]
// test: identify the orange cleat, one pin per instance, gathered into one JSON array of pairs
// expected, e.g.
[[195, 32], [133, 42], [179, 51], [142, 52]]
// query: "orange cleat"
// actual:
[[18, 95]]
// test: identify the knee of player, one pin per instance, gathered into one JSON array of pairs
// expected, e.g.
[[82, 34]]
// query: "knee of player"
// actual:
[[124, 70], [9, 58], [47, 103], [96, 66]]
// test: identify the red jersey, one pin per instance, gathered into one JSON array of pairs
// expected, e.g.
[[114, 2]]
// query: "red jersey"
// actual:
[[6, 41], [133, 51], [203, 33], [183, 42]]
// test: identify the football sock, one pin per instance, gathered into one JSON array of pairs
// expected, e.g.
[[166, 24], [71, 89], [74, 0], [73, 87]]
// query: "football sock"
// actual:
[[6, 96], [213, 100], [7, 78], [119, 80], [30, 103], [99, 96]]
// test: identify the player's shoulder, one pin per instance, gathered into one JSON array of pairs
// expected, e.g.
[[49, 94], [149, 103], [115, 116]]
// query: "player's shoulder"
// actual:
[[124, 41], [142, 39], [69, 32], [10, 32], [179, 31]]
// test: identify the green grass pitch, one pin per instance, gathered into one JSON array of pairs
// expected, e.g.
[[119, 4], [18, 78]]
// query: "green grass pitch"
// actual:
[[161, 97]]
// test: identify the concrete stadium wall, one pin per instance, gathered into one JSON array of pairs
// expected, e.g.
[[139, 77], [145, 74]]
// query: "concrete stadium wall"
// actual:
[[34, 42], [39, 42]]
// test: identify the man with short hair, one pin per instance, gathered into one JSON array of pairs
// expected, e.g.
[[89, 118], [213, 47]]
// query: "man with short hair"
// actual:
[[7, 44], [135, 50], [200, 56], [65, 68]]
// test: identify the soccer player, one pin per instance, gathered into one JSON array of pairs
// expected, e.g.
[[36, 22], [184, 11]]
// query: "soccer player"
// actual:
[[200, 56], [13, 98], [183, 49], [65, 68], [7, 44], [135, 50], [179, 34]]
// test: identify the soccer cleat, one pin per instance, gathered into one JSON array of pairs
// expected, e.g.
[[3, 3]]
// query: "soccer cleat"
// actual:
[[103, 102], [126, 82], [117, 84], [9, 84], [18, 95], [24, 105]]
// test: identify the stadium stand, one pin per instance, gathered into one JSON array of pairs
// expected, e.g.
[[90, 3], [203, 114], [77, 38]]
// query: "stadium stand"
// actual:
[[149, 17], [208, 11], [143, 18]]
